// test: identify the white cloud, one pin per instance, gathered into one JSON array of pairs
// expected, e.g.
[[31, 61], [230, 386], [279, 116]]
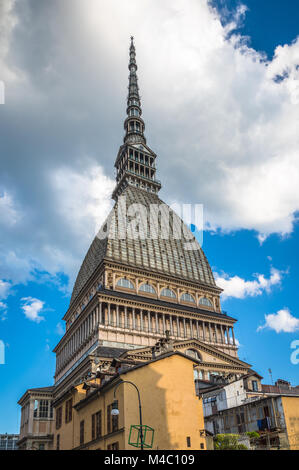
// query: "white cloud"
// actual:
[[32, 308], [282, 321], [4, 289], [209, 100], [59, 329], [8, 213], [3, 311], [240, 288]]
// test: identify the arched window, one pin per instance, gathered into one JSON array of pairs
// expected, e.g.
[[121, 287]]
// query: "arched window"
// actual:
[[206, 302], [198, 375], [125, 283], [187, 298], [194, 354], [168, 293], [147, 288]]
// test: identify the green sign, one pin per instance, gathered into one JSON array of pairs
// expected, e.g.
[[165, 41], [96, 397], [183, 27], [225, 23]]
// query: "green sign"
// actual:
[[147, 436]]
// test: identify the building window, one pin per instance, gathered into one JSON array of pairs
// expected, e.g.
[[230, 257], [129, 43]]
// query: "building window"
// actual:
[[113, 446], [96, 425], [51, 409], [168, 293], [35, 412], [112, 421], [206, 302], [125, 283], [81, 432], [187, 298], [147, 288], [68, 410], [43, 408], [58, 417], [58, 442], [188, 441], [202, 446], [255, 387]]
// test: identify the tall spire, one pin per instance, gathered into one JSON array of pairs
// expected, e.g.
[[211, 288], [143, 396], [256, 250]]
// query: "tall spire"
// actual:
[[134, 124], [135, 163]]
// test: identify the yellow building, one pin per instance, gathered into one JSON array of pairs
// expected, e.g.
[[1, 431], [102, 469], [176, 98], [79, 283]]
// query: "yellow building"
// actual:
[[169, 406], [290, 407]]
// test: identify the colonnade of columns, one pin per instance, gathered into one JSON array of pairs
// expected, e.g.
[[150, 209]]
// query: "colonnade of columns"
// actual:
[[143, 320]]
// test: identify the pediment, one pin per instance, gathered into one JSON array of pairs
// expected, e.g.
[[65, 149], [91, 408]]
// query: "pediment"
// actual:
[[209, 354]]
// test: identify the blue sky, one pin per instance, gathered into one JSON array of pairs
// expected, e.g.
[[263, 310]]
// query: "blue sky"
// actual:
[[62, 125]]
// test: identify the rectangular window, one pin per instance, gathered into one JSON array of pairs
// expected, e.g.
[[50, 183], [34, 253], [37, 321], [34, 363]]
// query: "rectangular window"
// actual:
[[58, 417], [43, 408], [58, 442], [96, 425], [109, 419], [188, 441], [255, 386], [68, 410], [113, 446], [81, 432], [35, 412]]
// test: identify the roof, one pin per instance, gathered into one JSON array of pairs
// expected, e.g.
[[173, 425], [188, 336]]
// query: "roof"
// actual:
[[41, 389], [109, 382], [103, 351], [37, 390], [168, 256]]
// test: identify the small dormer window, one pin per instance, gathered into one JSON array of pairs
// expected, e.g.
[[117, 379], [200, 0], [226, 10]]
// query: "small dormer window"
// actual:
[[147, 288], [205, 301], [187, 298], [168, 293], [125, 283]]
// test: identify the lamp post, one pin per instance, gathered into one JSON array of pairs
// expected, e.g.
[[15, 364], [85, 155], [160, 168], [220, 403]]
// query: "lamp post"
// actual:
[[115, 410]]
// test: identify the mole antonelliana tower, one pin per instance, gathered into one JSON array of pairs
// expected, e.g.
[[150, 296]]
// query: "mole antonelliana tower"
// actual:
[[131, 291], [140, 291]]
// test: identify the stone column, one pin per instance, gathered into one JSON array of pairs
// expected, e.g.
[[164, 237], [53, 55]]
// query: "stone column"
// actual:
[[134, 319], [222, 335], [203, 330], [191, 327], [149, 321], [126, 317], [141, 320], [171, 326], [109, 314], [234, 339], [184, 321], [197, 329], [101, 312], [178, 325], [117, 316], [210, 332], [216, 338], [157, 322], [227, 333], [164, 325]]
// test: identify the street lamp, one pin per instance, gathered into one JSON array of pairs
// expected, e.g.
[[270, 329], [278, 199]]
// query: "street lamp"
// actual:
[[115, 410]]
